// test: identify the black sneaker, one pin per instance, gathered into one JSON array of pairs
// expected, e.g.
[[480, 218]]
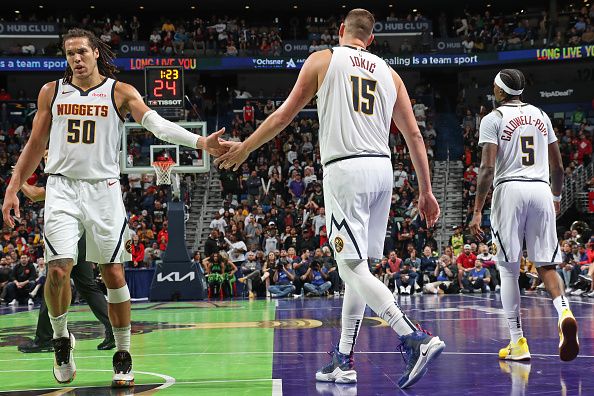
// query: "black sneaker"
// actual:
[[64, 367], [123, 377], [107, 344], [36, 347]]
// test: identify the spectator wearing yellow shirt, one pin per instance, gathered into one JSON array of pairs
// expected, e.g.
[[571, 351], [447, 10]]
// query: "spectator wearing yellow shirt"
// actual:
[[168, 27]]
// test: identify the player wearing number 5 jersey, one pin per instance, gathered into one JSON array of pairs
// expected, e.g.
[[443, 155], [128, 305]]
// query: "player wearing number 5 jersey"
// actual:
[[358, 95], [520, 153], [81, 116]]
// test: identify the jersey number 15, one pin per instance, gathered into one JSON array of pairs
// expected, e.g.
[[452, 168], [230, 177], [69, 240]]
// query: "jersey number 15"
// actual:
[[363, 98]]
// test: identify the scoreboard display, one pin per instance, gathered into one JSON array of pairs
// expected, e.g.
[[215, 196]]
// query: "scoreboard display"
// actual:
[[164, 86]]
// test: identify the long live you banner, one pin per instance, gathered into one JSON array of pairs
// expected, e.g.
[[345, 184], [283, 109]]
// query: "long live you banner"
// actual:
[[17, 64]]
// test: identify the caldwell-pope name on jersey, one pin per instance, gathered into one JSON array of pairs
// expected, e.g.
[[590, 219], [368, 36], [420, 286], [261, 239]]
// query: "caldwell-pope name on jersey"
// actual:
[[517, 122], [82, 109]]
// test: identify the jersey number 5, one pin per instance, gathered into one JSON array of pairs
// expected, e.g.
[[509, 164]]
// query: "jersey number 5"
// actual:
[[527, 150], [74, 131], [363, 98]]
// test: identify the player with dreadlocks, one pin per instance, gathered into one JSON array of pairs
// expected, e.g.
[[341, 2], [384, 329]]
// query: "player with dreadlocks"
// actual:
[[82, 118]]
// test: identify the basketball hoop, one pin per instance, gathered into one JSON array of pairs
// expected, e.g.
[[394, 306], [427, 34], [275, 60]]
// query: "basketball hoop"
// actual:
[[163, 171]]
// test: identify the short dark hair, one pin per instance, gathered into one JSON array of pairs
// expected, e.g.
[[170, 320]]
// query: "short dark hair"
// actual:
[[513, 78], [359, 23]]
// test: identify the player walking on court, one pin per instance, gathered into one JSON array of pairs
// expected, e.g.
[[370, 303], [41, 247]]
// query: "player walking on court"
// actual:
[[358, 95], [81, 116], [519, 147]]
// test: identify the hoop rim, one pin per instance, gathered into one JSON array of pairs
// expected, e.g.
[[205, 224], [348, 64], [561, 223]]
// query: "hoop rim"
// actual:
[[164, 163]]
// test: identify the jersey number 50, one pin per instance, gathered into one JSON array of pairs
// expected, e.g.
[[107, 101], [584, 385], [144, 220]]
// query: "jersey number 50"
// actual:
[[363, 98], [74, 131]]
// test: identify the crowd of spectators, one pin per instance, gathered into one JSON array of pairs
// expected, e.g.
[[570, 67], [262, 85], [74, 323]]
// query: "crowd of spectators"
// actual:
[[491, 29], [273, 213]]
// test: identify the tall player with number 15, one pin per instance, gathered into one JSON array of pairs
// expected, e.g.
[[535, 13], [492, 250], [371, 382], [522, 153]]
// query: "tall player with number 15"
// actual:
[[358, 95], [81, 116]]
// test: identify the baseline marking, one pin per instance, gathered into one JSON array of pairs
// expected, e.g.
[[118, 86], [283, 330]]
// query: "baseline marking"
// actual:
[[168, 379]]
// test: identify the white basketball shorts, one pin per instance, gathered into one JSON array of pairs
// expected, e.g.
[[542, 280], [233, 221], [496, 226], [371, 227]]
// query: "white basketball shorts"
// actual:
[[74, 206], [357, 198], [524, 210]]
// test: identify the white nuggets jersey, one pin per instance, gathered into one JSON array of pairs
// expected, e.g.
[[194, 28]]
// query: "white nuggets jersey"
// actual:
[[86, 132], [523, 133], [355, 105]]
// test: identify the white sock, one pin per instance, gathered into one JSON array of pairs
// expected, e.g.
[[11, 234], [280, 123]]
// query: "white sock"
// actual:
[[356, 274], [391, 313], [60, 325], [510, 298], [560, 304], [353, 308], [122, 337]]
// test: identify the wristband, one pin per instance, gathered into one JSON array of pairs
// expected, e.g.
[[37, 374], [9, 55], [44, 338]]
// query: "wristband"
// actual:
[[556, 198]]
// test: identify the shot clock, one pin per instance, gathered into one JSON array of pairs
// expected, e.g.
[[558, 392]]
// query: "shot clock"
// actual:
[[164, 86]]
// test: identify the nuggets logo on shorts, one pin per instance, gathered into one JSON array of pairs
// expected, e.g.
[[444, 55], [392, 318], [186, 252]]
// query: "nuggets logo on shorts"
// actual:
[[338, 244], [128, 246], [494, 248]]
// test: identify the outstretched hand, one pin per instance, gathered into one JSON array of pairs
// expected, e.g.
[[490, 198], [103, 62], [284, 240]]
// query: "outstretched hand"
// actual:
[[429, 208], [212, 143], [475, 227], [11, 202], [236, 154]]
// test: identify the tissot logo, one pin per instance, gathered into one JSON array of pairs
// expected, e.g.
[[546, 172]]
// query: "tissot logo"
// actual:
[[175, 277]]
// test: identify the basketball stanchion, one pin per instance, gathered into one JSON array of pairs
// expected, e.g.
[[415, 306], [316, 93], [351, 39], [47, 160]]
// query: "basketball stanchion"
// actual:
[[176, 278]]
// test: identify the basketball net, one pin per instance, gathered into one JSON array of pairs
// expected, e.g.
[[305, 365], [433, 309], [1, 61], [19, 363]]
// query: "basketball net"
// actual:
[[163, 171]]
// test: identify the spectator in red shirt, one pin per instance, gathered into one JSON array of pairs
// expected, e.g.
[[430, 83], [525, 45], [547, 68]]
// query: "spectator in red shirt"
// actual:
[[584, 149], [137, 251], [392, 267], [465, 263], [163, 234], [4, 95], [248, 112]]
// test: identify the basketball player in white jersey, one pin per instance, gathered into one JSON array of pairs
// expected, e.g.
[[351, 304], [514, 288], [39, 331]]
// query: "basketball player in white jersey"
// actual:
[[358, 95], [81, 116], [520, 154]]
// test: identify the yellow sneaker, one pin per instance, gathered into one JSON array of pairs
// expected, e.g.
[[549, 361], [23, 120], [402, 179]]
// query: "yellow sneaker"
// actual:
[[515, 351], [569, 345]]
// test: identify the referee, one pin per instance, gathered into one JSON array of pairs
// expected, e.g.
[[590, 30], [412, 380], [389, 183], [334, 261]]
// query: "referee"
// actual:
[[82, 275]]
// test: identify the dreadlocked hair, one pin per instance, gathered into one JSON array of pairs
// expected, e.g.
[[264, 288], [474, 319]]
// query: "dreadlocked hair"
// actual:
[[106, 55]]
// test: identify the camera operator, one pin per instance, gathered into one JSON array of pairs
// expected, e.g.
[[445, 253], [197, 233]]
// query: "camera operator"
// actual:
[[282, 280], [446, 275], [316, 280], [300, 267]]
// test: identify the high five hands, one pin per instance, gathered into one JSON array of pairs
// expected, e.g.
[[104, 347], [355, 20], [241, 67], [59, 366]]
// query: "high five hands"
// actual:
[[230, 154]]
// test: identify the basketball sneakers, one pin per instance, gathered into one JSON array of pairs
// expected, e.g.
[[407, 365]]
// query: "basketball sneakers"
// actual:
[[123, 377], [64, 367], [515, 351], [340, 370], [418, 350], [569, 345]]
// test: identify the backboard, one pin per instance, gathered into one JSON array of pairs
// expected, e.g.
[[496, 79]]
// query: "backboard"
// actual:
[[139, 150]]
